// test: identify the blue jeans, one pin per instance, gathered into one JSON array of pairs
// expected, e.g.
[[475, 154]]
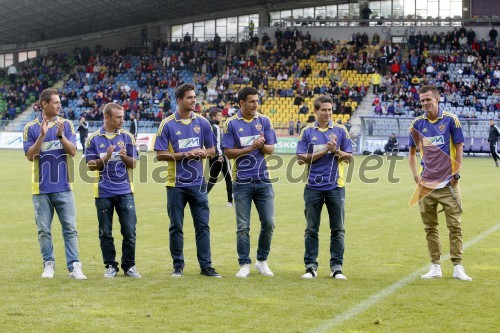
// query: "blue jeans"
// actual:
[[125, 209], [177, 198], [262, 194], [64, 205], [334, 200]]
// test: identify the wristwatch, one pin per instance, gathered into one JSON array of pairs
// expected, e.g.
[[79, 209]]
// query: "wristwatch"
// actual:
[[456, 176], [59, 137]]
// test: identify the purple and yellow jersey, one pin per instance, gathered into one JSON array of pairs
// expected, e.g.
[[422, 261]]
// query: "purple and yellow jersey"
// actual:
[[115, 178], [52, 167], [325, 173], [177, 135], [436, 140], [240, 133]]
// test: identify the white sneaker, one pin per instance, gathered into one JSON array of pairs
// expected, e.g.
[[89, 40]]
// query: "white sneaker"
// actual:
[[262, 267], [244, 271], [311, 273], [338, 275], [434, 272], [132, 272], [230, 204], [459, 273], [110, 272], [77, 273], [48, 269]]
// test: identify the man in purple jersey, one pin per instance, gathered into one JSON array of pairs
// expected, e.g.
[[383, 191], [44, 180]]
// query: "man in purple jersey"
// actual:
[[248, 137], [49, 141], [438, 135], [111, 152], [325, 147], [184, 140]]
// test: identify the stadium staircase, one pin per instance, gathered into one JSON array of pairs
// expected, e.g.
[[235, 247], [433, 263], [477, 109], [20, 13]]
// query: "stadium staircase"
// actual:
[[364, 109]]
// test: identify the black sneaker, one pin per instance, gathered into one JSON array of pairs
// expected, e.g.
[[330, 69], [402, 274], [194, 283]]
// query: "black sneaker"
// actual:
[[209, 271], [178, 272]]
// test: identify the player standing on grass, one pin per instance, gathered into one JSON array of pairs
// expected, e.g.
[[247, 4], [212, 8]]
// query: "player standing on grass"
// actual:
[[324, 146], [111, 151], [184, 139], [49, 141], [248, 137], [438, 135]]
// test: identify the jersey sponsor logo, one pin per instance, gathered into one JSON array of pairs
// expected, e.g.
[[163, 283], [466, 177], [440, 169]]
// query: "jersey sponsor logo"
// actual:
[[434, 140], [248, 140], [318, 148], [189, 142], [52, 145], [115, 156]]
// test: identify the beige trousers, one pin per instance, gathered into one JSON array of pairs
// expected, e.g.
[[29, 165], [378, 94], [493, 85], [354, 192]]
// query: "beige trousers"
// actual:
[[429, 200]]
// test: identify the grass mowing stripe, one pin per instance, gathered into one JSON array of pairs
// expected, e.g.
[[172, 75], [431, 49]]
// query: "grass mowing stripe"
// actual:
[[373, 299]]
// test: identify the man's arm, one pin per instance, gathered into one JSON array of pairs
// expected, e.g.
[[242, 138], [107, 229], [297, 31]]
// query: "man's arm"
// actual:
[[412, 160], [459, 150]]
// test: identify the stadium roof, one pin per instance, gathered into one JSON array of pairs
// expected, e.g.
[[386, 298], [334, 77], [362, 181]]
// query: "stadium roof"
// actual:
[[24, 21]]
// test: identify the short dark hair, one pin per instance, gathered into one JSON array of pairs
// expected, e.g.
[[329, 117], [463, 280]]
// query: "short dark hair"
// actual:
[[212, 113], [179, 92], [428, 88], [322, 99], [243, 93], [46, 96]]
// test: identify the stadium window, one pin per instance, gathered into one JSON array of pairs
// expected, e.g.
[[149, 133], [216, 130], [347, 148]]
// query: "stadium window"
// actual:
[[343, 10], [176, 32], [386, 9], [209, 29], [32, 54], [456, 9], [8, 60], [409, 8], [187, 28], [199, 31], [444, 8], [221, 28], [2, 61], [232, 27], [22, 56], [331, 11]]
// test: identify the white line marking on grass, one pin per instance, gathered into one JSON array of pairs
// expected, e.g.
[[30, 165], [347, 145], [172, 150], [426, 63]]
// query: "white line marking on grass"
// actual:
[[375, 298]]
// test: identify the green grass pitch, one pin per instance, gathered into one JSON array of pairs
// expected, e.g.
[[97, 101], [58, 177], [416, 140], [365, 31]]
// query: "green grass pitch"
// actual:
[[385, 243]]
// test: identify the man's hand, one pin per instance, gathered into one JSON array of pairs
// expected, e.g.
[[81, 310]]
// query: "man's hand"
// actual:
[[123, 154], [109, 153], [60, 127], [45, 127], [417, 179], [332, 144], [259, 142]]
